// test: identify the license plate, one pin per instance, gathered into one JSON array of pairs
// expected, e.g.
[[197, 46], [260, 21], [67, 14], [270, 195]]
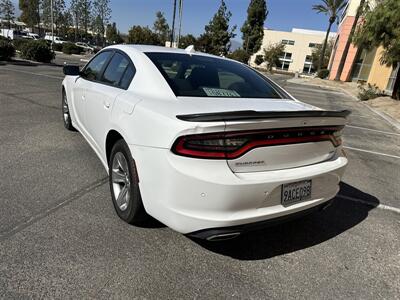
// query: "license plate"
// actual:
[[296, 192]]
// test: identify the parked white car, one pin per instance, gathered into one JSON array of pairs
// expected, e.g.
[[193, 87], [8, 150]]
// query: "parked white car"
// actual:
[[85, 46], [204, 144], [8, 33], [33, 36], [57, 40]]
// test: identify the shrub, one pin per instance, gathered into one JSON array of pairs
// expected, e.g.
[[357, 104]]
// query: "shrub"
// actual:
[[259, 59], [19, 43], [38, 51], [240, 55], [323, 73], [70, 48], [7, 50], [57, 47], [367, 92]]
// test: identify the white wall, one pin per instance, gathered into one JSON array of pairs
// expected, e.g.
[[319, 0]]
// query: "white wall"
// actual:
[[301, 37]]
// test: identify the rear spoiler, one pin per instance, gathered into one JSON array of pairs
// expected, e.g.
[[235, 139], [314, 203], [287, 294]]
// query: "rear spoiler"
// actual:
[[252, 115]]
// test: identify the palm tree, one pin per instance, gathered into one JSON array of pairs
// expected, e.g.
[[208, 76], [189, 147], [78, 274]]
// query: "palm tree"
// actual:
[[331, 8]]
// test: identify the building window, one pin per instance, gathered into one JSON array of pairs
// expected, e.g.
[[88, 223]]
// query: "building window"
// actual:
[[288, 42], [313, 45], [308, 66], [283, 65], [362, 65], [286, 56], [284, 61], [392, 79]]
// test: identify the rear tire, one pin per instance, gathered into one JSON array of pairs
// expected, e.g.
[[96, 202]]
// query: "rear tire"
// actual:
[[124, 185], [66, 114]]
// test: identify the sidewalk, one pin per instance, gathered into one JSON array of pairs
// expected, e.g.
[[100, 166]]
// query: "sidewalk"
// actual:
[[386, 107]]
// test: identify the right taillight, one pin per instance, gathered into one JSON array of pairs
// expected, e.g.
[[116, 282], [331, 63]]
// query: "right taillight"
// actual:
[[231, 145]]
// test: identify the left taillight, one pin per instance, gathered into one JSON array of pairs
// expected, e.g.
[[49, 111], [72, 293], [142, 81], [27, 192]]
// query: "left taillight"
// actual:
[[213, 146], [231, 145]]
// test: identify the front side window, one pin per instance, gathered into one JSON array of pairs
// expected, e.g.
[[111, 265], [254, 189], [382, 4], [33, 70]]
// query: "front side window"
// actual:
[[115, 69], [93, 69], [202, 76]]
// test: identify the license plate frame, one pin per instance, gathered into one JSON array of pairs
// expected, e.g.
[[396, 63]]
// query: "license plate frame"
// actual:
[[295, 192]]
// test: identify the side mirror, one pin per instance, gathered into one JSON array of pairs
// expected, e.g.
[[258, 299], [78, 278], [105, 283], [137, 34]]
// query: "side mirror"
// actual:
[[71, 70]]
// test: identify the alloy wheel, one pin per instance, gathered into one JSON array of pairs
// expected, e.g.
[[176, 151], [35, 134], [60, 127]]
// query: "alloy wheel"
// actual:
[[120, 178]]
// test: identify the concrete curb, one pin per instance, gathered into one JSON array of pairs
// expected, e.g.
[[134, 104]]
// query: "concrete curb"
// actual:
[[21, 61], [383, 115], [325, 87]]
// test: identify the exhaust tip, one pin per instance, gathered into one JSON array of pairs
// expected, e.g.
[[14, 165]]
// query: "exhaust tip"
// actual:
[[223, 236]]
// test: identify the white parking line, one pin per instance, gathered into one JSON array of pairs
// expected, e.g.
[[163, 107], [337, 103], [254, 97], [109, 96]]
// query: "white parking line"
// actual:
[[372, 152], [32, 73], [374, 130], [369, 203]]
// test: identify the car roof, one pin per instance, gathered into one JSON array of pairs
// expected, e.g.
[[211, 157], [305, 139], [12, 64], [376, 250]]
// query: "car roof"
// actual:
[[151, 48]]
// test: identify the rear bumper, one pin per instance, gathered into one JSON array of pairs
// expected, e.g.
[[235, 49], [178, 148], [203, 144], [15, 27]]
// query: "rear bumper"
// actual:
[[191, 195], [214, 233]]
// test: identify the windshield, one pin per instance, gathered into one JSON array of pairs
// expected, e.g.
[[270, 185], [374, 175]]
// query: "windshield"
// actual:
[[202, 76]]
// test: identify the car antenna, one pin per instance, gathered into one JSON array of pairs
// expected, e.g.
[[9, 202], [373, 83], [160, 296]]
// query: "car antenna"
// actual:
[[190, 49]]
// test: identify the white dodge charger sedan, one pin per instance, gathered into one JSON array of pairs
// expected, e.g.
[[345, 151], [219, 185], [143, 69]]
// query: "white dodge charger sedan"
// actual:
[[204, 144]]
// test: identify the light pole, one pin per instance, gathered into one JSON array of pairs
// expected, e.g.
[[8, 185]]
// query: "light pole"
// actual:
[[173, 26], [52, 24], [180, 22]]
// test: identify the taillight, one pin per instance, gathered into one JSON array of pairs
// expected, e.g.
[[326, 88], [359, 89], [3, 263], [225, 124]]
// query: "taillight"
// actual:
[[231, 145]]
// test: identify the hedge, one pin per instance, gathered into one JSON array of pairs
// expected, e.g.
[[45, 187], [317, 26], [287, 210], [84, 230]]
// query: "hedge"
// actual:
[[37, 50], [19, 43], [57, 47], [7, 50], [70, 48], [323, 73]]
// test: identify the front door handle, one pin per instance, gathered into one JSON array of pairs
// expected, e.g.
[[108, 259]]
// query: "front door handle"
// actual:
[[83, 97], [106, 104]]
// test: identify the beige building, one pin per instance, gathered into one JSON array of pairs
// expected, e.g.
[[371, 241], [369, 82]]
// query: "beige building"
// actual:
[[299, 44]]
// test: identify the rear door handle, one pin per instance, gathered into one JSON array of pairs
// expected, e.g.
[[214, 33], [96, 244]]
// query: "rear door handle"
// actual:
[[83, 98], [106, 104]]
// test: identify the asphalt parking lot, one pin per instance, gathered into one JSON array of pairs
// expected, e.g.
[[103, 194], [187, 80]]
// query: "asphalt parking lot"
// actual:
[[60, 237]]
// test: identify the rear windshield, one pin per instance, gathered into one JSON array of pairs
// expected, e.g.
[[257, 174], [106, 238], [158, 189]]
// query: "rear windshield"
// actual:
[[202, 76]]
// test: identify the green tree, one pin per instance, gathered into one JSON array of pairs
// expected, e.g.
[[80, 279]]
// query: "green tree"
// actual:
[[75, 12], [332, 9], [112, 34], [161, 27], [272, 55], [85, 7], [187, 40], [66, 22], [218, 31], [102, 15], [142, 35], [240, 55], [30, 12], [58, 10], [203, 43], [7, 11], [381, 28], [316, 55], [253, 27]]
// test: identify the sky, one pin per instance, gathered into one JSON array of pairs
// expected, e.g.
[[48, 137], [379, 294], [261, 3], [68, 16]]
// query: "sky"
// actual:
[[283, 14]]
